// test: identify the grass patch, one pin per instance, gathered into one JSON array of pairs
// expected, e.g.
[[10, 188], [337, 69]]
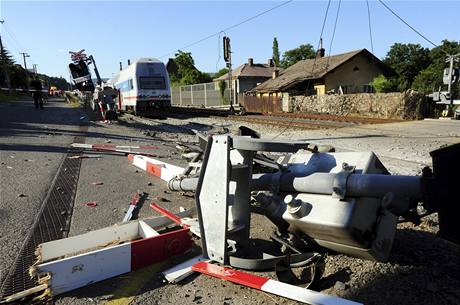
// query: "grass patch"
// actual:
[[13, 96]]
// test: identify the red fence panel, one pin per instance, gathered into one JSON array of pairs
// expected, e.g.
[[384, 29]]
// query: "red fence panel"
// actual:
[[262, 104]]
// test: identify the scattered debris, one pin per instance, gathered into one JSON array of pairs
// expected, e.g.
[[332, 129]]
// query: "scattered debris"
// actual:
[[22, 195], [97, 183], [91, 204], [84, 156], [339, 286], [132, 206], [126, 149], [66, 264], [180, 272]]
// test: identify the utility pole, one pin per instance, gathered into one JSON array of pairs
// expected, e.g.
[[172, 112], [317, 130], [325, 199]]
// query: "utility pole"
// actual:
[[228, 60], [24, 55], [4, 65]]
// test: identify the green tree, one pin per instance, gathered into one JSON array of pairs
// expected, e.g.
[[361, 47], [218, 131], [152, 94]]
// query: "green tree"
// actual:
[[6, 63], [221, 72], [222, 86], [290, 57], [430, 78], [6, 58], [187, 73], [382, 85], [276, 52], [407, 60], [18, 77]]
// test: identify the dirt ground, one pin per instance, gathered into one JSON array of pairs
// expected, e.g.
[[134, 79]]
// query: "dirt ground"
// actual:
[[422, 268]]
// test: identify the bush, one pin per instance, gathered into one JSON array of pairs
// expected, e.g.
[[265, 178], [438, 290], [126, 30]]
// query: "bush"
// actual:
[[382, 85]]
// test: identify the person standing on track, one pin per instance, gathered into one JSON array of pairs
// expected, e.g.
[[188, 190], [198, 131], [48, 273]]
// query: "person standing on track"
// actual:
[[36, 85]]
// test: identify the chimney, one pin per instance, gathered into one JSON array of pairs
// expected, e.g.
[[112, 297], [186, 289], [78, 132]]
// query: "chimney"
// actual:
[[271, 62], [121, 67], [275, 73], [320, 53], [250, 61], [129, 62]]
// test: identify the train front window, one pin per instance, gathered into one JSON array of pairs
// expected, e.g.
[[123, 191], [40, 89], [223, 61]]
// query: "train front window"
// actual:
[[152, 83]]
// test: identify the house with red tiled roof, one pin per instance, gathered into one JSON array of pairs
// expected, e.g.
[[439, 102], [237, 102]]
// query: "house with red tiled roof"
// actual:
[[248, 75]]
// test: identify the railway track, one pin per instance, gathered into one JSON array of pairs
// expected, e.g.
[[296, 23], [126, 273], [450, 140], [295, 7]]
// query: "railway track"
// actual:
[[294, 120], [286, 120]]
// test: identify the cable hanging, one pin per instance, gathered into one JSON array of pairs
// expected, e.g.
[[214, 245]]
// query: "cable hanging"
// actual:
[[314, 62], [369, 25], [230, 27], [403, 21], [333, 34]]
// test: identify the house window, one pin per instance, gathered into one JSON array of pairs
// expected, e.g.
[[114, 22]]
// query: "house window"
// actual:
[[355, 69]]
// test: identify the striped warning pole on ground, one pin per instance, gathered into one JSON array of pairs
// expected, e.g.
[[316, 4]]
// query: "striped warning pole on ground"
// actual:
[[268, 285], [160, 169]]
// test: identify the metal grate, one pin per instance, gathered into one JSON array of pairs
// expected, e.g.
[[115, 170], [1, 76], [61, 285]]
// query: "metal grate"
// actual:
[[52, 222]]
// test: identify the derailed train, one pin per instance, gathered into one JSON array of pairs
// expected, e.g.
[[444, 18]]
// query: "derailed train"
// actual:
[[143, 87]]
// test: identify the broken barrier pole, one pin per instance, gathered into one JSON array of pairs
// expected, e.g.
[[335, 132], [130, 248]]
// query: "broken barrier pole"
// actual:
[[125, 149], [160, 169], [292, 292], [70, 263]]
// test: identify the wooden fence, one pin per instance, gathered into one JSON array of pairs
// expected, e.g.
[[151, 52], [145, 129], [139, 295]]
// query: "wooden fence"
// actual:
[[265, 104]]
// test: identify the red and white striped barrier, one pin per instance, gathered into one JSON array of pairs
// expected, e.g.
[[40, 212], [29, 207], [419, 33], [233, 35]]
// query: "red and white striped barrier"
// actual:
[[111, 146], [70, 263], [160, 169], [268, 285], [126, 149]]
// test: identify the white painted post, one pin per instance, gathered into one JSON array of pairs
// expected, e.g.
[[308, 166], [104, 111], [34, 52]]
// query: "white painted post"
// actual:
[[205, 96], [180, 96], [191, 94]]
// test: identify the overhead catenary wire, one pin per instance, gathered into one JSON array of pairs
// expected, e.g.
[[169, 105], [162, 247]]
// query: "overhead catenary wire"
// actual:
[[314, 62], [229, 28], [406, 23], [333, 33], [13, 38], [13, 45], [369, 26]]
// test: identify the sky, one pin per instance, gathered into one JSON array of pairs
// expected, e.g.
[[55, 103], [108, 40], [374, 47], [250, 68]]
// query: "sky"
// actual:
[[114, 31]]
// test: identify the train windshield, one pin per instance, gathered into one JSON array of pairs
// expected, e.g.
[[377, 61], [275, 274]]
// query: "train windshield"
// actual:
[[152, 82]]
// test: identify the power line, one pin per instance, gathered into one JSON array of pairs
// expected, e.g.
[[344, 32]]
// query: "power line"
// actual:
[[13, 37], [403, 21], [314, 62], [369, 24], [230, 27], [324, 23], [333, 33]]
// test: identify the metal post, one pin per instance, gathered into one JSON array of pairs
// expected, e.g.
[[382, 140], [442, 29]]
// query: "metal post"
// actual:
[[180, 95], [229, 65], [191, 94], [449, 85], [205, 96], [24, 55]]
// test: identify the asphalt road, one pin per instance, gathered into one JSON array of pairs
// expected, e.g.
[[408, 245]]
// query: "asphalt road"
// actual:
[[32, 145], [42, 138]]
